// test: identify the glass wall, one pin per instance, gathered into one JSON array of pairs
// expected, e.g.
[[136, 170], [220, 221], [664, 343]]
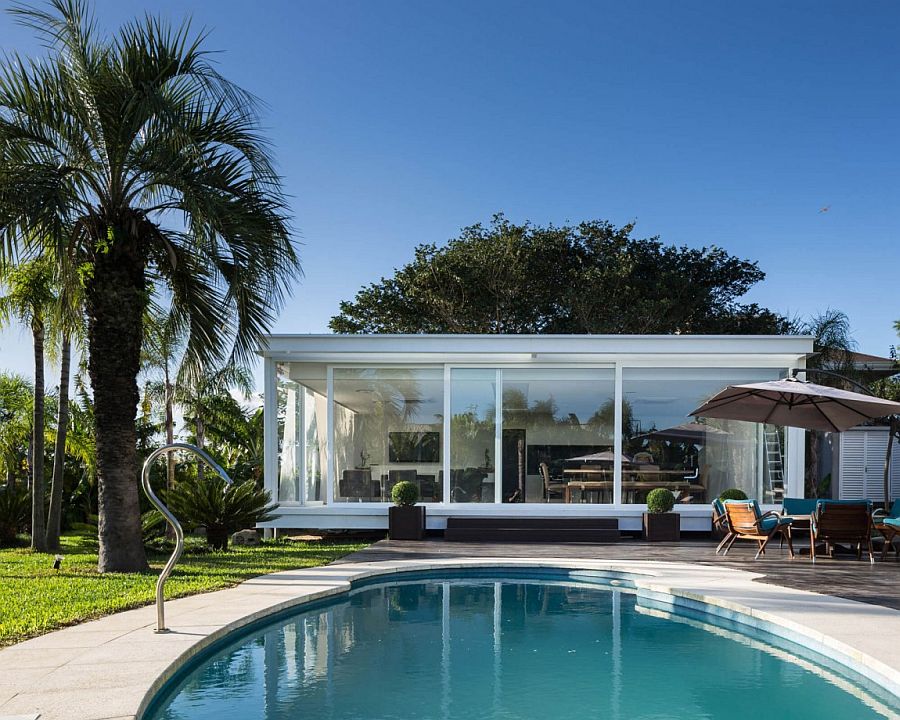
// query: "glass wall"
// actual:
[[387, 428], [663, 446], [302, 428], [558, 429], [473, 418], [553, 432]]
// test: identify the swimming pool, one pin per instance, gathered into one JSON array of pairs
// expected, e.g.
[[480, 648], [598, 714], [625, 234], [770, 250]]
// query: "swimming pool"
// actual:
[[508, 644]]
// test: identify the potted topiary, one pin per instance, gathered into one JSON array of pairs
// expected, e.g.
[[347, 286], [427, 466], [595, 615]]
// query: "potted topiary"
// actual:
[[660, 523], [406, 520]]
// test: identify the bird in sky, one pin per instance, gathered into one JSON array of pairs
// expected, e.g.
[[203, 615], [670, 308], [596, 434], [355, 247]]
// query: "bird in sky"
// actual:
[[825, 209]]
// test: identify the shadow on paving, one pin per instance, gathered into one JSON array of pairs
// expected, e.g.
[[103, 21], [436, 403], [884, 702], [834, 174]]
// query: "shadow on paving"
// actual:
[[843, 576]]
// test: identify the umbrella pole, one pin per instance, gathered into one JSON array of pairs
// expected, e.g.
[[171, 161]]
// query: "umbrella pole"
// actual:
[[893, 429]]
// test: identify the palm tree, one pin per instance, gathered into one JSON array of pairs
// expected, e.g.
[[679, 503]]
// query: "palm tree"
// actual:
[[29, 300], [833, 345], [201, 398], [157, 163], [163, 353], [69, 320]]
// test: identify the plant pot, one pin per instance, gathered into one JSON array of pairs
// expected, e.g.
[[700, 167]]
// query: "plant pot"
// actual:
[[406, 522], [662, 527]]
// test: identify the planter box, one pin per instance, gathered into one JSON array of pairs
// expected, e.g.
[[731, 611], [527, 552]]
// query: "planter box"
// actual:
[[406, 523], [662, 527]]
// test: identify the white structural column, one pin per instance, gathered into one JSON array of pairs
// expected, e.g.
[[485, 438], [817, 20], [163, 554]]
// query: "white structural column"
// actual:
[[329, 437], [795, 480], [445, 437], [498, 438], [270, 427], [617, 437]]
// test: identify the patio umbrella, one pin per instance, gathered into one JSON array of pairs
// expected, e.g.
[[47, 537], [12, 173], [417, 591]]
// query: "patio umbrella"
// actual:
[[798, 403], [692, 432]]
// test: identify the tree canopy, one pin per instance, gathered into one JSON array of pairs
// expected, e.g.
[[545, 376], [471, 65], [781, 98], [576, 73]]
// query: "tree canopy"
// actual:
[[587, 278]]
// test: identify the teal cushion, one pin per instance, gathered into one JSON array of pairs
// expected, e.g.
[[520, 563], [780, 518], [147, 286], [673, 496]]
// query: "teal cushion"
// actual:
[[768, 523], [822, 505], [799, 506], [892, 521]]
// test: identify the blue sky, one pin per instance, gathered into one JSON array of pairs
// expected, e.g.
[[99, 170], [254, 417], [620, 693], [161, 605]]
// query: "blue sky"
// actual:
[[727, 123]]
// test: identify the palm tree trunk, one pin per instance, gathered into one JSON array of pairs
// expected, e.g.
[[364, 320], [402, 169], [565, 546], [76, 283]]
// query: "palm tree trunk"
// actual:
[[54, 520], [37, 430], [115, 300], [170, 431], [201, 443]]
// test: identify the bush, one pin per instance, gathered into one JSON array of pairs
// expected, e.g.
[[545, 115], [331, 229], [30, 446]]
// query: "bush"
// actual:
[[405, 493], [660, 500], [733, 494], [221, 509], [15, 512]]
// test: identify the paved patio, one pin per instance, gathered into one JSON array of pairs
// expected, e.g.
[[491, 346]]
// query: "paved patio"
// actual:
[[109, 669], [844, 576]]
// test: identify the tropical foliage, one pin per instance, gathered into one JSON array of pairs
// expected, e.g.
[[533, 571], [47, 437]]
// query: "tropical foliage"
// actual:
[[133, 158], [219, 508], [589, 278], [15, 510]]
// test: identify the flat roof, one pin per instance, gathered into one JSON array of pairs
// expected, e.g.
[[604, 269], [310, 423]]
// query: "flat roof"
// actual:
[[328, 347]]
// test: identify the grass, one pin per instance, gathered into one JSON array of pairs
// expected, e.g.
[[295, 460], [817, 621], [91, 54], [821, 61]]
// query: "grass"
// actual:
[[35, 598]]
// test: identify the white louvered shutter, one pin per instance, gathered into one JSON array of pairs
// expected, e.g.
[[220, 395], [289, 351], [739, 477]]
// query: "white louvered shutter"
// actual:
[[852, 465]]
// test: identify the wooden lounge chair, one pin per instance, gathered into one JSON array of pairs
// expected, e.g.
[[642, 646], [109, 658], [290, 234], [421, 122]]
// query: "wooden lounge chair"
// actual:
[[843, 521], [551, 487], [888, 524], [746, 522], [720, 523]]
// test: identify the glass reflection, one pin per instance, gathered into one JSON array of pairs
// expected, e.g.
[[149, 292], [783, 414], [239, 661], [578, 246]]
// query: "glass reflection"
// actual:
[[695, 458]]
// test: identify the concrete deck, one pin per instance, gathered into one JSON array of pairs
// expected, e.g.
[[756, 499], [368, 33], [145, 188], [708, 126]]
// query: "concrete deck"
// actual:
[[110, 668]]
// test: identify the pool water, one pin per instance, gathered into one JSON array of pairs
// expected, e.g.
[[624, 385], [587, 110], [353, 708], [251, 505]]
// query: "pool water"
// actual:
[[504, 648]]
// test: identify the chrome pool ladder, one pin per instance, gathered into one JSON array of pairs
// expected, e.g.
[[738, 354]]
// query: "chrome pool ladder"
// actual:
[[171, 519]]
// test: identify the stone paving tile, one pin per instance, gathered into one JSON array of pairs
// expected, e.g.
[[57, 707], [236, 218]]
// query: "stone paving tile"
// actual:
[[29, 657], [84, 704]]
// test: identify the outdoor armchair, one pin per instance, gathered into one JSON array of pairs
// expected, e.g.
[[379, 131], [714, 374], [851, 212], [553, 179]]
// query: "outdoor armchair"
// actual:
[[887, 522], [720, 523], [746, 522], [551, 486], [843, 521]]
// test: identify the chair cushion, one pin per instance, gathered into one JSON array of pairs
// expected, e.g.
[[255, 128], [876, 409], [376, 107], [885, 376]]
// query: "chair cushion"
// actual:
[[768, 523], [799, 506], [892, 521]]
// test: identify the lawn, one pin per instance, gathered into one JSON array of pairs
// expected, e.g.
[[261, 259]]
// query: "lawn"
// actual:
[[35, 598]]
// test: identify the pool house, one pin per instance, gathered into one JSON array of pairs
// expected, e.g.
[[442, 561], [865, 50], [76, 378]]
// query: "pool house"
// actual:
[[518, 425]]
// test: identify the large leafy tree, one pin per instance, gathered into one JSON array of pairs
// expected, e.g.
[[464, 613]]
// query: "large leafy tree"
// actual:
[[589, 278], [156, 162]]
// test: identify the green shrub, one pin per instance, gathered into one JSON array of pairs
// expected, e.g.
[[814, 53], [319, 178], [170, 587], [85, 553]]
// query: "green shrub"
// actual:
[[15, 512], [405, 493], [221, 509], [733, 494], [660, 500]]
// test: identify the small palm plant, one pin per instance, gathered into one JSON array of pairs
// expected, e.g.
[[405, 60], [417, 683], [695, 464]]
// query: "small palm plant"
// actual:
[[220, 508]]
